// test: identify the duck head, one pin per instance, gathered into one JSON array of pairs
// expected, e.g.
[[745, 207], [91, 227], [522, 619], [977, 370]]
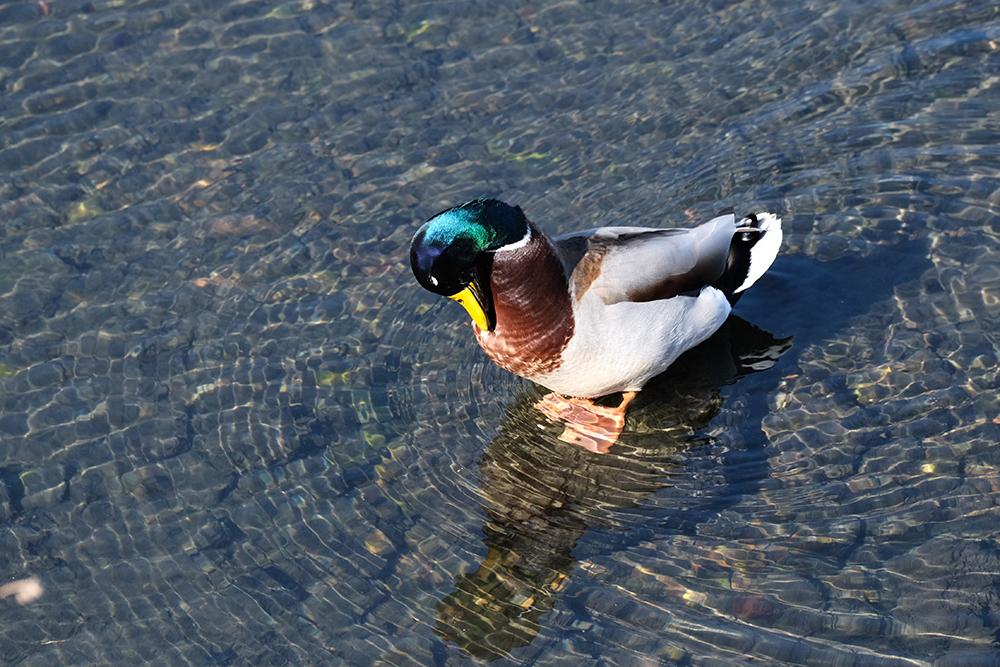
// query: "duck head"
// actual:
[[452, 253]]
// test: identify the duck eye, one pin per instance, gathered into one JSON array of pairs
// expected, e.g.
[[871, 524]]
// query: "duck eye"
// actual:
[[434, 281]]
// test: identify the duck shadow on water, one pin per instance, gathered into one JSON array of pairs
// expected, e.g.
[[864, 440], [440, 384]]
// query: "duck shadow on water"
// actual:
[[543, 495]]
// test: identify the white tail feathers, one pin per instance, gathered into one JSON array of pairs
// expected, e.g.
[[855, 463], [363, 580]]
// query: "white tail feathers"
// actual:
[[764, 251]]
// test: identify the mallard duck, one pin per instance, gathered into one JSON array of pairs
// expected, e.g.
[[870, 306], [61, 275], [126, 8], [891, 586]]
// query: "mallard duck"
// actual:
[[594, 312]]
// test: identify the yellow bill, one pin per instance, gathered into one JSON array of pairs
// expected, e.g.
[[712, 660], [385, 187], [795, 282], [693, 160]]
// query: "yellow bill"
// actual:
[[472, 300]]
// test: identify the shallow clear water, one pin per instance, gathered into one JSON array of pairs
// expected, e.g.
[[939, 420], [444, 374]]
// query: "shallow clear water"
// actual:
[[235, 431]]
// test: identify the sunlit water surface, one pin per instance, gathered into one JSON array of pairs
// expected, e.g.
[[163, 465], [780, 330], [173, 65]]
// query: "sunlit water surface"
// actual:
[[234, 431]]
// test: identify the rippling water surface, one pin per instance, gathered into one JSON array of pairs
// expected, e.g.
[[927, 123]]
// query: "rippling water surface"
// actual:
[[234, 431]]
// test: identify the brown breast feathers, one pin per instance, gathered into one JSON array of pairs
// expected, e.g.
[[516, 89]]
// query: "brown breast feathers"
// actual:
[[534, 313]]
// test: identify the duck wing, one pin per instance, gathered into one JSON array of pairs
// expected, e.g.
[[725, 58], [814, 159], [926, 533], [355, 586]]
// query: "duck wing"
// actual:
[[641, 264]]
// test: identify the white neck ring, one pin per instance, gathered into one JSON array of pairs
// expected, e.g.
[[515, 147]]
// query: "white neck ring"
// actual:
[[517, 244]]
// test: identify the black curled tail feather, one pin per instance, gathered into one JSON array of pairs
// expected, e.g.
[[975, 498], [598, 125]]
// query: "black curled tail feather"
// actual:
[[755, 244], [737, 265]]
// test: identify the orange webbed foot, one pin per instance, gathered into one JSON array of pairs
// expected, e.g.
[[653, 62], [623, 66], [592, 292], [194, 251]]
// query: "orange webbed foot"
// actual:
[[595, 428]]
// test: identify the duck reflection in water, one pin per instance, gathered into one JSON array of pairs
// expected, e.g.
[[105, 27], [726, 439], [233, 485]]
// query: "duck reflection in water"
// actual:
[[542, 495]]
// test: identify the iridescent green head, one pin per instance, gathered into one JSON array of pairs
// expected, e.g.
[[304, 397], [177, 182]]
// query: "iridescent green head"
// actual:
[[452, 253]]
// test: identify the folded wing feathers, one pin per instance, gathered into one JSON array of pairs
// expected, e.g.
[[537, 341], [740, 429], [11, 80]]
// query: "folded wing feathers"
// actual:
[[625, 261]]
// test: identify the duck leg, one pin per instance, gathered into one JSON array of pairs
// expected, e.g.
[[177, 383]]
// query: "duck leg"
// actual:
[[595, 428]]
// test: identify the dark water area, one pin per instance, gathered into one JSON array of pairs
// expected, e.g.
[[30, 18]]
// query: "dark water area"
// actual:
[[233, 430]]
